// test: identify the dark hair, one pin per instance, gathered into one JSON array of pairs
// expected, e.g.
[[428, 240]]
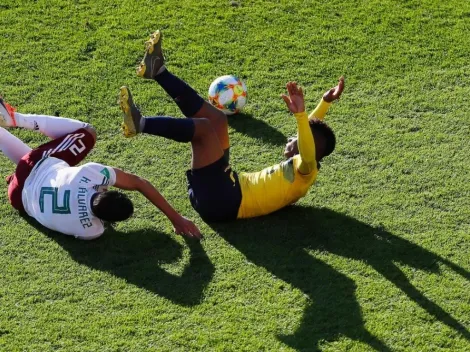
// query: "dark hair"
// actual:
[[319, 127], [112, 206]]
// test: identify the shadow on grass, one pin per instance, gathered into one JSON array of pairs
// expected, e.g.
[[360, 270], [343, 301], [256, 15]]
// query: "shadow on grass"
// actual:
[[137, 257], [247, 125], [333, 309]]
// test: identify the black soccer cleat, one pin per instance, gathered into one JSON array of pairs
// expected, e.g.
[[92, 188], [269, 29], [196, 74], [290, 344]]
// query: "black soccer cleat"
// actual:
[[132, 115], [153, 59]]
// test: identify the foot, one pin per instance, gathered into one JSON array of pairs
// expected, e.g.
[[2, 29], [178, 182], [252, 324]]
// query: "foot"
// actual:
[[7, 114], [153, 59], [132, 115]]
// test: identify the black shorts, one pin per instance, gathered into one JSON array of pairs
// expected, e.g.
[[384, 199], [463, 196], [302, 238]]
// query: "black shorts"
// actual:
[[214, 191]]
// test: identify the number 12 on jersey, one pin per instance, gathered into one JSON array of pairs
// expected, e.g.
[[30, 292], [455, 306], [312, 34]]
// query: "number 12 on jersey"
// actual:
[[53, 192]]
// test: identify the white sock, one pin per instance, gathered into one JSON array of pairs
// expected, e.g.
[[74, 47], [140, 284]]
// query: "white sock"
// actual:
[[51, 126], [12, 147], [161, 69]]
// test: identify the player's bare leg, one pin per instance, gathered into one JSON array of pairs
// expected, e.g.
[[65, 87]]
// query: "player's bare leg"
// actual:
[[13, 148], [218, 120], [206, 148], [187, 99]]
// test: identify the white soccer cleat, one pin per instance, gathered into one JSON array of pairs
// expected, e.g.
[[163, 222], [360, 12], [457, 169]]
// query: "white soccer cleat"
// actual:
[[7, 114]]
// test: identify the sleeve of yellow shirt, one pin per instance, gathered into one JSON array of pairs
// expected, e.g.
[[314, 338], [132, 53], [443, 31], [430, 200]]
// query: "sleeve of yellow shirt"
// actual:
[[306, 144], [320, 111]]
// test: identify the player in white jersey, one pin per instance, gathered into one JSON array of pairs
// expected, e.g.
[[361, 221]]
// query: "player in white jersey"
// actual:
[[71, 199]]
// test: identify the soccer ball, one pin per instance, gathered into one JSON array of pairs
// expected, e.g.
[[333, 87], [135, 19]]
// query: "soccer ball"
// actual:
[[228, 93]]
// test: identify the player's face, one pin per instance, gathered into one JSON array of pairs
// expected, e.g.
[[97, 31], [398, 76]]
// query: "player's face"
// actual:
[[291, 148]]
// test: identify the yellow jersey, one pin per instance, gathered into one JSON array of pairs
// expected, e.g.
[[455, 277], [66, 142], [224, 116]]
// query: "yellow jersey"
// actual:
[[277, 186], [273, 188]]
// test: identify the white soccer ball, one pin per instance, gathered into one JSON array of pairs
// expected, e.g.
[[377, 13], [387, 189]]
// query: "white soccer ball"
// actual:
[[228, 93]]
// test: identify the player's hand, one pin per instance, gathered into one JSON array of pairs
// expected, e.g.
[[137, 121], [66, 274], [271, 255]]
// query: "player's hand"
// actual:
[[186, 227], [295, 100], [335, 92]]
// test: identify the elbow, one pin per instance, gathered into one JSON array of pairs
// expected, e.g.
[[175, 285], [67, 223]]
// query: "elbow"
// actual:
[[309, 158], [142, 184], [310, 167]]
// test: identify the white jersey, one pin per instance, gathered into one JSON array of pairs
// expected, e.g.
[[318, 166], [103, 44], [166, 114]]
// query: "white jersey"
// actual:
[[58, 196]]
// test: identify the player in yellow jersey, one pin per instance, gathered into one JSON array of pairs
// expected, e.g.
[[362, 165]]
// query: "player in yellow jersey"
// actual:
[[217, 192]]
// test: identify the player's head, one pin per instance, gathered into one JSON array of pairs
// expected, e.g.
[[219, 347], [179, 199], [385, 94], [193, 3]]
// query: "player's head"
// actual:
[[112, 206], [324, 137]]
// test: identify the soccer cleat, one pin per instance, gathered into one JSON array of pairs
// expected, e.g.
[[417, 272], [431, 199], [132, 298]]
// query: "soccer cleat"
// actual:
[[132, 115], [153, 58], [7, 114]]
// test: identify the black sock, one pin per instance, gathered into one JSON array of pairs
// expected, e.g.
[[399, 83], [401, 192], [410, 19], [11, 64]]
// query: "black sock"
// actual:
[[227, 155], [184, 96], [179, 130]]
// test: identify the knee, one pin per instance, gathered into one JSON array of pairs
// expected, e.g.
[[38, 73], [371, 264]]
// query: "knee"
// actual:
[[212, 113], [203, 128], [221, 117], [216, 116]]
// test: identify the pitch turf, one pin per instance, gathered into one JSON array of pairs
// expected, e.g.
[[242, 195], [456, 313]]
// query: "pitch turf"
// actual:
[[375, 257]]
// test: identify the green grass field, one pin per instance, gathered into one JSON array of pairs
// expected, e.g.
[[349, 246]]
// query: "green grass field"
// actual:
[[375, 257]]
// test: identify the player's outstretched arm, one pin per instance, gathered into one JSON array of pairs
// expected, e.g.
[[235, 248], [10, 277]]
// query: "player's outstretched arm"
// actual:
[[131, 182], [305, 142], [325, 103]]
